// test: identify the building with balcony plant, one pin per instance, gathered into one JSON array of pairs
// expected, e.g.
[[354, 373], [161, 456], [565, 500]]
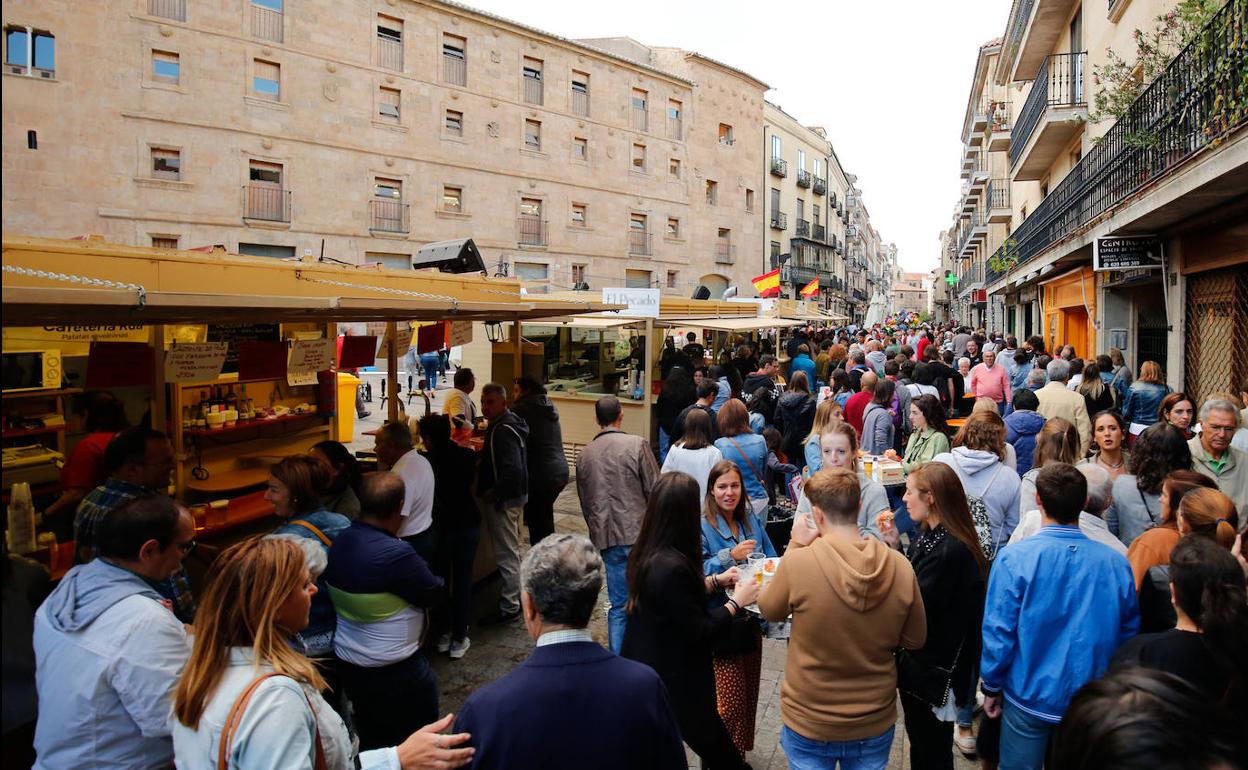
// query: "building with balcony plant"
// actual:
[[1128, 122]]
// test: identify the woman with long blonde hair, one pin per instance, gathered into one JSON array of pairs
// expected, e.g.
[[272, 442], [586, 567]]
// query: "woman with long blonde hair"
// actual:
[[1143, 401], [247, 699], [825, 413]]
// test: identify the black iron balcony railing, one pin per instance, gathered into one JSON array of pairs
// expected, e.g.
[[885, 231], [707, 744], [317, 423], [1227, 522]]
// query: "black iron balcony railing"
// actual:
[[859, 295], [803, 178], [820, 186], [1187, 108], [779, 167], [779, 220], [998, 195], [725, 253], [973, 274], [803, 228], [269, 204], [639, 242], [388, 216], [819, 233], [800, 275], [1058, 83], [530, 230]]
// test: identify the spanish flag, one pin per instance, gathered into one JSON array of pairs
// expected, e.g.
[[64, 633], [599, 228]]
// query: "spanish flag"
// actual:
[[810, 289], [767, 284]]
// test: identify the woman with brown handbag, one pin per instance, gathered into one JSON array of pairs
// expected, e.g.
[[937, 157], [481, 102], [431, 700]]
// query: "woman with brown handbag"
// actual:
[[248, 700]]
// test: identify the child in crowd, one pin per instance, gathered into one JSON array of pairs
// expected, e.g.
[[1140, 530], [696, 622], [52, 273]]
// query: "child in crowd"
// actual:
[[777, 464]]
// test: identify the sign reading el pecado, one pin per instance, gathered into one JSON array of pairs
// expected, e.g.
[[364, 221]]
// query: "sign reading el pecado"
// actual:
[[1129, 252], [642, 303]]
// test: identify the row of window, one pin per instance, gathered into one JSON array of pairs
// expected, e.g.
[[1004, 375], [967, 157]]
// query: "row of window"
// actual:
[[777, 153], [267, 22]]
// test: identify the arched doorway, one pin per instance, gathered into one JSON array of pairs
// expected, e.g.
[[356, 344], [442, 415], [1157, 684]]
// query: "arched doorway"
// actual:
[[717, 284]]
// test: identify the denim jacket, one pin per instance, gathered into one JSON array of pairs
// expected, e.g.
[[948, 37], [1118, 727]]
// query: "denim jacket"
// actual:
[[718, 542], [1143, 402], [318, 637]]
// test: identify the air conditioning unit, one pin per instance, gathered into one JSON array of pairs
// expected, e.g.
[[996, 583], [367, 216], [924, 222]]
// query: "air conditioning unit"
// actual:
[[17, 69], [47, 74]]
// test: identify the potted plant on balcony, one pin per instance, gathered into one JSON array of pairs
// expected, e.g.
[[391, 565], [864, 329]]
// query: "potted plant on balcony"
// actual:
[[1006, 258]]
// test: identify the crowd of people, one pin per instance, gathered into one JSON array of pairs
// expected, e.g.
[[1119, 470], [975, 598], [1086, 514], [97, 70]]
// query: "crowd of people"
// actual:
[[1066, 562]]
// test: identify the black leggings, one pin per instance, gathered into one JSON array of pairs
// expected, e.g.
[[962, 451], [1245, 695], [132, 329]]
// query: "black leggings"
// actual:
[[704, 731]]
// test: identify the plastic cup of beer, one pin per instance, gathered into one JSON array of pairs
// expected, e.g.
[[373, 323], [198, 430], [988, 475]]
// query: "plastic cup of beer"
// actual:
[[868, 464], [199, 512], [754, 563], [219, 511]]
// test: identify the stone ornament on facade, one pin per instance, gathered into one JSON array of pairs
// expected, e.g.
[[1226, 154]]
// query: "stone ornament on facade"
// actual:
[[495, 57], [491, 128], [330, 90]]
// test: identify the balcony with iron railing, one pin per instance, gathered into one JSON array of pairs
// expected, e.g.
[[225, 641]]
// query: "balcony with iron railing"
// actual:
[[803, 228], [454, 70], [999, 125], [859, 295], [533, 90], [803, 178], [978, 123], [725, 253], [265, 203], [1186, 109], [1056, 111], [580, 102], [639, 243], [531, 230], [174, 10], [266, 24], [779, 220], [779, 167], [974, 232], [998, 197], [641, 119], [675, 128], [820, 186], [819, 232], [388, 216]]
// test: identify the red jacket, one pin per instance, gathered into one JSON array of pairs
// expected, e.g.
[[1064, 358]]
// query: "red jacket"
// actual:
[[854, 407]]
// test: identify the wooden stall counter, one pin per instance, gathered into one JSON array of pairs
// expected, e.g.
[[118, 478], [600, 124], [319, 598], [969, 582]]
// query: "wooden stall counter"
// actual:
[[577, 420]]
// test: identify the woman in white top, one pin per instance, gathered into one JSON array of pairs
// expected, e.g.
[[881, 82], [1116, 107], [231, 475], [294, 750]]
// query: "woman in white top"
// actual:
[[259, 598], [694, 454]]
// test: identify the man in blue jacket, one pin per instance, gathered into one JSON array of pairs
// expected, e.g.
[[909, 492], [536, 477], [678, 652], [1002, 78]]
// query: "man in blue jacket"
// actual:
[[1058, 606], [1021, 428], [572, 704]]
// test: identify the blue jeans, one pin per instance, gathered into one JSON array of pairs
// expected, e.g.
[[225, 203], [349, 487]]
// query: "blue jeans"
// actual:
[[665, 443], [1024, 739], [616, 561], [808, 754], [430, 362]]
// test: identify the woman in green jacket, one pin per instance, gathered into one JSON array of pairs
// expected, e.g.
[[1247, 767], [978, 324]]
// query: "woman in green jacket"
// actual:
[[929, 437]]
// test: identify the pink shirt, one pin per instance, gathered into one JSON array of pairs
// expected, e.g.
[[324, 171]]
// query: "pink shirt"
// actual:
[[991, 383]]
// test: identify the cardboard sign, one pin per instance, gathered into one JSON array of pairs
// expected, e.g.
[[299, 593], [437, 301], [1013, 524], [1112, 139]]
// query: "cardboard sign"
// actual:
[[195, 362], [119, 364], [307, 357], [261, 360], [357, 351], [402, 339], [460, 334]]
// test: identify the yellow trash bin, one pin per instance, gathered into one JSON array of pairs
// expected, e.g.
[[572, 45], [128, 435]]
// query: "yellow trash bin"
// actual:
[[347, 383]]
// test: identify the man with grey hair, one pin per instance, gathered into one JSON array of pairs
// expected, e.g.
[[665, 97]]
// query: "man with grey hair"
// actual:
[[1036, 379], [571, 699], [1056, 400], [1091, 523], [396, 451], [1212, 453]]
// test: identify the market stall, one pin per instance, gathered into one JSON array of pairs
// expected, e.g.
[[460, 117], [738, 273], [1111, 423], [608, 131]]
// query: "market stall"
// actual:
[[234, 357]]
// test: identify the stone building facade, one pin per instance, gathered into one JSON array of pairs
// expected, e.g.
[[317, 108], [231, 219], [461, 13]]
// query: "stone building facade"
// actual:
[[298, 130]]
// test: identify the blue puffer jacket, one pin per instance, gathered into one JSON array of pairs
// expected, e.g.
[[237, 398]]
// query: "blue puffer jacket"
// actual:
[[1143, 402], [1021, 428]]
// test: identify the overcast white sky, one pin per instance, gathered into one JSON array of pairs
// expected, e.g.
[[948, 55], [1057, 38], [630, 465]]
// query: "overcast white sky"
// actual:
[[888, 79]]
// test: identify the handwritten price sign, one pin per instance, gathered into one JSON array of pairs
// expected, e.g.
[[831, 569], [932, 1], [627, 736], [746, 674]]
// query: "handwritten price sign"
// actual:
[[195, 362]]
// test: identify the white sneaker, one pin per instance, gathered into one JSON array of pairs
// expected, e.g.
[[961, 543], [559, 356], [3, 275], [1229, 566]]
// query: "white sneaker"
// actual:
[[964, 739], [459, 648], [444, 643]]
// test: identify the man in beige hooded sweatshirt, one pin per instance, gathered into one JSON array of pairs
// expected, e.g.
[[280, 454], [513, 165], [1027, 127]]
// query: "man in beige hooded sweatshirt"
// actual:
[[854, 601]]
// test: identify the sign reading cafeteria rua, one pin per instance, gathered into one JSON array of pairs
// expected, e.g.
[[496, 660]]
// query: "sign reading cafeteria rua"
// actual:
[[1128, 252], [236, 333]]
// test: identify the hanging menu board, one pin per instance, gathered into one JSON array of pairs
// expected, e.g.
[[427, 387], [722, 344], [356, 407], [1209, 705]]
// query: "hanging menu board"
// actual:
[[238, 333]]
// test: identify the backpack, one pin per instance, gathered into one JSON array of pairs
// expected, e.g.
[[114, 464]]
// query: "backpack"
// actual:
[[979, 514]]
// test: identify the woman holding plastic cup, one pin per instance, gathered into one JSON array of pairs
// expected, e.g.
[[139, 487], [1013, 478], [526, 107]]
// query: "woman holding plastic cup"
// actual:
[[734, 536]]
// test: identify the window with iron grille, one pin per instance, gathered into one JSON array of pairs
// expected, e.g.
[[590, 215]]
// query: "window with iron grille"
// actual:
[[532, 80], [165, 241], [389, 43], [266, 20], [174, 10], [580, 93], [455, 59]]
